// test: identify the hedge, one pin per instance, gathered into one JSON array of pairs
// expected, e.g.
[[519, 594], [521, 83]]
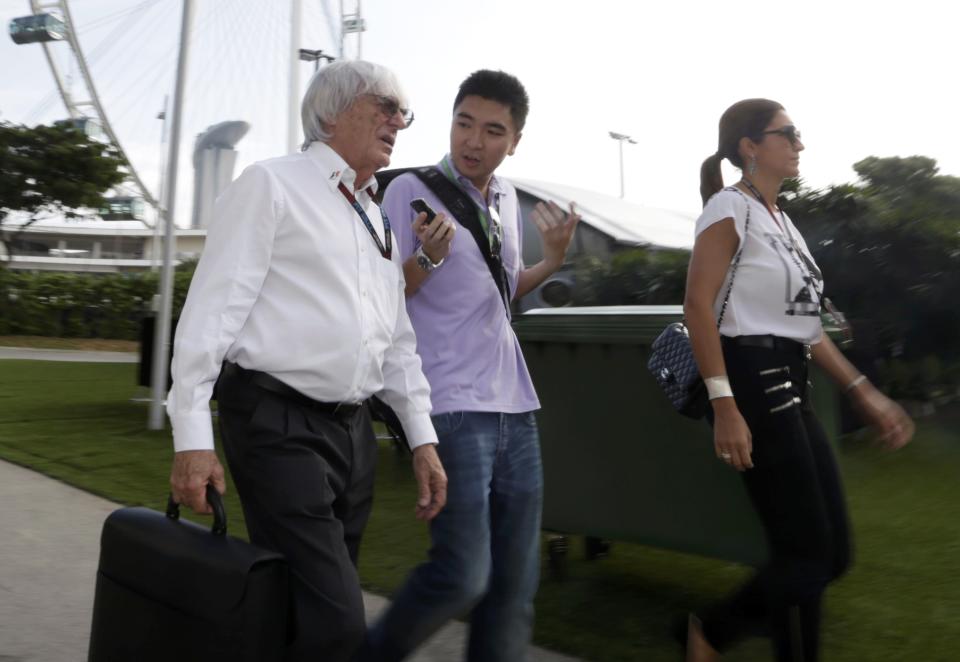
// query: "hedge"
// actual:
[[69, 305]]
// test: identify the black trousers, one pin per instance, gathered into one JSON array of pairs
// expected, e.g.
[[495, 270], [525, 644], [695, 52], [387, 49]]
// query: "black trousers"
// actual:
[[795, 487], [305, 480]]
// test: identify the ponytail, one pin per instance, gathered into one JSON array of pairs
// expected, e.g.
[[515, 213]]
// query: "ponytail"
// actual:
[[711, 178], [744, 119]]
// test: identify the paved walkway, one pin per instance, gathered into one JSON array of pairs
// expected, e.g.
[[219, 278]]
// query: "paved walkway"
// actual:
[[67, 355], [49, 545]]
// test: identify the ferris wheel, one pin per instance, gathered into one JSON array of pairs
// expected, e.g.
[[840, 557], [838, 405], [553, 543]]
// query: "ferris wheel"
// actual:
[[109, 111], [52, 22]]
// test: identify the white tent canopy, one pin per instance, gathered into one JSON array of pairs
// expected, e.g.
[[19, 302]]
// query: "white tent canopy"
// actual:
[[625, 222]]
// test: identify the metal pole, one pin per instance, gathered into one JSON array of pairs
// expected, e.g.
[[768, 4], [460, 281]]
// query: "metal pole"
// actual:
[[620, 138], [161, 334], [293, 118], [621, 167], [155, 248], [359, 34], [341, 29]]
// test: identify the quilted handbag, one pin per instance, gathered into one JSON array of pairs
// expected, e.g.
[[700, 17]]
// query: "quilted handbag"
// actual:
[[674, 368], [671, 355]]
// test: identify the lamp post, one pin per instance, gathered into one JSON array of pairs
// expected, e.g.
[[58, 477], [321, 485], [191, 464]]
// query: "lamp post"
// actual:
[[161, 334], [294, 135], [621, 138], [293, 82], [308, 55]]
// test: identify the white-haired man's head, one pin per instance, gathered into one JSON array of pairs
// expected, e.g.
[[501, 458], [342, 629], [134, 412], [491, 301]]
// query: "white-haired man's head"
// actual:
[[335, 87]]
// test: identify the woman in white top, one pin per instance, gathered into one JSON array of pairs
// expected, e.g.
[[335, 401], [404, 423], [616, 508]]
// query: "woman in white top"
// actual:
[[755, 369]]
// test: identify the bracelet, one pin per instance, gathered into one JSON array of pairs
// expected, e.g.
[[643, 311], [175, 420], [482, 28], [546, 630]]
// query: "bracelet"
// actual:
[[718, 387], [854, 383]]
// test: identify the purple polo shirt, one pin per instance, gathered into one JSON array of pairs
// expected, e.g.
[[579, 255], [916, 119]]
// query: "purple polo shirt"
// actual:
[[470, 354]]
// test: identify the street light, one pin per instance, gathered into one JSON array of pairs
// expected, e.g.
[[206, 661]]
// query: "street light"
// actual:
[[621, 138], [308, 55]]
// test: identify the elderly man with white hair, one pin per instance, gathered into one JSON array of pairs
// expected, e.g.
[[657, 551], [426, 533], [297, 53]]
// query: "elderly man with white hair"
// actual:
[[297, 313]]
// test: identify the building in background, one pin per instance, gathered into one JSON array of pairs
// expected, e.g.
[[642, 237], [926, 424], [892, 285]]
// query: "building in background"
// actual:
[[92, 245], [609, 225], [214, 158]]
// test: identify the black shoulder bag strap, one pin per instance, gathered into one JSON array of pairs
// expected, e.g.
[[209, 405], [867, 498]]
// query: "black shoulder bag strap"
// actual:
[[736, 259], [463, 208]]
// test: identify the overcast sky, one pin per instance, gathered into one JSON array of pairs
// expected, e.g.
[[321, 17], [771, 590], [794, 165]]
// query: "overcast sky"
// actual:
[[858, 78]]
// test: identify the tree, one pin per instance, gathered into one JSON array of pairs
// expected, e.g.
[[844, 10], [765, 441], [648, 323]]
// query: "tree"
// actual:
[[51, 169], [634, 276], [889, 246]]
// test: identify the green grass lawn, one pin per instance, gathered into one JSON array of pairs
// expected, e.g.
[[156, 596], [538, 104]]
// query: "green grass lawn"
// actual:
[[901, 601]]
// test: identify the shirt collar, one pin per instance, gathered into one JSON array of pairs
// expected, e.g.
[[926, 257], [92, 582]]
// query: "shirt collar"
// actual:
[[335, 169], [495, 188]]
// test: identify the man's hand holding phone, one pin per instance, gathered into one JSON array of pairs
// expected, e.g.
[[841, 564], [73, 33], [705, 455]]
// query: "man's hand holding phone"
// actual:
[[435, 231]]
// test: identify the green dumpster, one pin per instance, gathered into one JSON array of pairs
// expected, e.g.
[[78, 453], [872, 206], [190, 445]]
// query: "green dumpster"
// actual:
[[619, 462]]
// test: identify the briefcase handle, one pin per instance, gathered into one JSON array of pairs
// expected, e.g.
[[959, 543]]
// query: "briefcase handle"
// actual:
[[215, 501]]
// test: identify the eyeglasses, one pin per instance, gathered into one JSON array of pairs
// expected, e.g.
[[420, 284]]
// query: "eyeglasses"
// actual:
[[790, 132], [390, 107]]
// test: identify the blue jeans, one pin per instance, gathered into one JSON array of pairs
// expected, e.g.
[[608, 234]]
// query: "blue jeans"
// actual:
[[484, 559]]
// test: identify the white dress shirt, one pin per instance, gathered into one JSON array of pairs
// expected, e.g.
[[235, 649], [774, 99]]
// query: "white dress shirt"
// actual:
[[292, 284]]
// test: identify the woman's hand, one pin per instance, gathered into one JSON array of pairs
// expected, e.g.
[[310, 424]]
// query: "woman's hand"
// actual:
[[893, 426], [731, 436]]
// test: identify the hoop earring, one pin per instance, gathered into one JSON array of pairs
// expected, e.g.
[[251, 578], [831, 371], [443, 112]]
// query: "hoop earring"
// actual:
[[752, 168]]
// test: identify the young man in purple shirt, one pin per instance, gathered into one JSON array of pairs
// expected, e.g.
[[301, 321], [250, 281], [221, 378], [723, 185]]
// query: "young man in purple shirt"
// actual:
[[484, 558]]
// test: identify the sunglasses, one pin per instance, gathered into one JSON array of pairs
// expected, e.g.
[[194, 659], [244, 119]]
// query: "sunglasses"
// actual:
[[390, 107], [790, 132], [496, 233]]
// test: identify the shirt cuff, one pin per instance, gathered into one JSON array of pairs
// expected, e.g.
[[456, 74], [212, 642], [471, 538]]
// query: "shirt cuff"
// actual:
[[192, 432], [419, 430]]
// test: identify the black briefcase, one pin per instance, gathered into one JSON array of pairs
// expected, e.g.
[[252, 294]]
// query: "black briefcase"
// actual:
[[171, 590]]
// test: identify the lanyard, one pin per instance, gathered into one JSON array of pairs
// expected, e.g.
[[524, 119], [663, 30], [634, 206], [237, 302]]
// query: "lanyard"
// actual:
[[385, 251], [796, 254], [753, 189], [489, 218]]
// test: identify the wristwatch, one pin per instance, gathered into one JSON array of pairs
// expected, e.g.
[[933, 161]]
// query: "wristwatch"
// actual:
[[424, 261]]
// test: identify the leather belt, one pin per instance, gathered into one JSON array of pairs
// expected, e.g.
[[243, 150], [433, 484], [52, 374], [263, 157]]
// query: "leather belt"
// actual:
[[777, 343], [273, 385]]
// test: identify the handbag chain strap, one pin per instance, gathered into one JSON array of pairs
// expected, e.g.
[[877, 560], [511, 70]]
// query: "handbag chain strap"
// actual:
[[736, 259]]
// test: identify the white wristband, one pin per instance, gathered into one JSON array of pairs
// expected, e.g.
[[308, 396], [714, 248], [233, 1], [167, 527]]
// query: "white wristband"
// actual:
[[718, 387]]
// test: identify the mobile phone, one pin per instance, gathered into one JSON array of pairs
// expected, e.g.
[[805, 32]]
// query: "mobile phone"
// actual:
[[420, 206]]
